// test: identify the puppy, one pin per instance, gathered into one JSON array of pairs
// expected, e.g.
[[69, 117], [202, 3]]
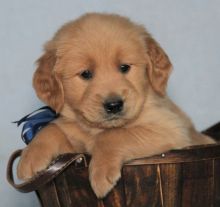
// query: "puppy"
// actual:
[[107, 78]]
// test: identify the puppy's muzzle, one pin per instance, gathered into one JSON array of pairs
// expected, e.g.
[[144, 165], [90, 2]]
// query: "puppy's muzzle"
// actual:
[[113, 105]]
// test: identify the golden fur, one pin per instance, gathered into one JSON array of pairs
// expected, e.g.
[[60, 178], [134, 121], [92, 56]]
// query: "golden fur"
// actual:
[[150, 122]]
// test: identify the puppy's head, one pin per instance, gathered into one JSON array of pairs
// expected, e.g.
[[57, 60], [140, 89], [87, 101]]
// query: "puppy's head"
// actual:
[[101, 66]]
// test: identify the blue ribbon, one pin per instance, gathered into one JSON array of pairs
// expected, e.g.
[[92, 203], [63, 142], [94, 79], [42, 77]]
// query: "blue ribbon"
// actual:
[[35, 121]]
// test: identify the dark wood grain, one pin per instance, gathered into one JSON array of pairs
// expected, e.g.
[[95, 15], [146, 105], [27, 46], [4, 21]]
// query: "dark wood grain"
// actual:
[[74, 189], [141, 186], [171, 184], [48, 195], [197, 184], [216, 183]]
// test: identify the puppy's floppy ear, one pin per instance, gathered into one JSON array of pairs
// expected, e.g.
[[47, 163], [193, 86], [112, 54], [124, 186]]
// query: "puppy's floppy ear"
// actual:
[[159, 67], [46, 83]]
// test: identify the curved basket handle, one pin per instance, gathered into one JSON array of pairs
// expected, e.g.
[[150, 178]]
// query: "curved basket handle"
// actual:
[[55, 168]]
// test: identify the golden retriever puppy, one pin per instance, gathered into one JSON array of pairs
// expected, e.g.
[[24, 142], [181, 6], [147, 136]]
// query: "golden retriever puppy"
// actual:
[[106, 77]]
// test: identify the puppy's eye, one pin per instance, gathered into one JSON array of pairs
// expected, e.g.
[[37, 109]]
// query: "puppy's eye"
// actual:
[[86, 74], [124, 68]]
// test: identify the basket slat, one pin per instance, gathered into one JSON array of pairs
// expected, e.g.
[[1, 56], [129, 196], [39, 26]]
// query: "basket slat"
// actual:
[[74, 188], [48, 195], [197, 187], [171, 184], [141, 186], [216, 183]]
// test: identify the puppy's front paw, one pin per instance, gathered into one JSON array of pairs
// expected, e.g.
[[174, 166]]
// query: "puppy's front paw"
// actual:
[[34, 159], [103, 177]]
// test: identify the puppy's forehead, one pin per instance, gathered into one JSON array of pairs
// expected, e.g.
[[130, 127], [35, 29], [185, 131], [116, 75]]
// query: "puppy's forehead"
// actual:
[[100, 34]]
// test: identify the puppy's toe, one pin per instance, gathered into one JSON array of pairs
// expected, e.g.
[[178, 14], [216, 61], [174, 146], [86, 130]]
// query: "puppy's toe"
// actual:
[[33, 160], [103, 179]]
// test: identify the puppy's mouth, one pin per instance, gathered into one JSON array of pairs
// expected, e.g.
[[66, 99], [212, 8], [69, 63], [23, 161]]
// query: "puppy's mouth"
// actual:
[[113, 121], [104, 120], [113, 117]]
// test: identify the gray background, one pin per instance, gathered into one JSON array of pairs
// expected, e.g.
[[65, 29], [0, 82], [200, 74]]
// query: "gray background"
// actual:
[[188, 30]]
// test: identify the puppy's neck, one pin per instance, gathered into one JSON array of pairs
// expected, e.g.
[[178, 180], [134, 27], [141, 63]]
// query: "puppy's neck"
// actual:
[[67, 113]]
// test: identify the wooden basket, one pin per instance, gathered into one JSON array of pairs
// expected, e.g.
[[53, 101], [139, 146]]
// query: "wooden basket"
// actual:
[[181, 178]]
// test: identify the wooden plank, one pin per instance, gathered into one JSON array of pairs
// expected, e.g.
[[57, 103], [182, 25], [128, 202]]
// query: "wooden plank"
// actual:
[[74, 188], [171, 187], [197, 184], [141, 186], [48, 195], [216, 182]]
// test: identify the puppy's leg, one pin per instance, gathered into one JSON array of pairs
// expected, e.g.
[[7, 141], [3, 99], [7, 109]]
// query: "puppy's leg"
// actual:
[[114, 147], [47, 144]]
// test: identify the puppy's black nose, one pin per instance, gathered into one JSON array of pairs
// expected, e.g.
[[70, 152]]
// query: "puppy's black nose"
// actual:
[[113, 105]]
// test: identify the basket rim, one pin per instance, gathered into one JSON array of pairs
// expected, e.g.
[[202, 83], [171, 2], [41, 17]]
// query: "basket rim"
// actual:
[[185, 155], [189, 154]]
